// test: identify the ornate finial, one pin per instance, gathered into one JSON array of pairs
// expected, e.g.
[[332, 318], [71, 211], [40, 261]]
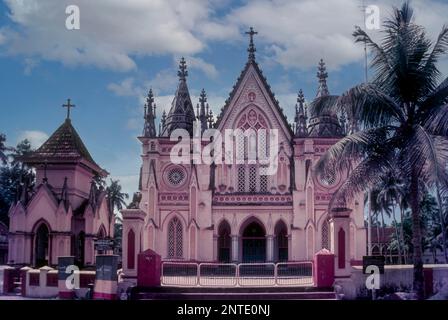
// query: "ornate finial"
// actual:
[[300, 118], [150, 115], [182, 73], [300, 97], [68, 105], [251, 48], [203, 97], [203, 112], [322, 75], [210, 119], [163, 119]]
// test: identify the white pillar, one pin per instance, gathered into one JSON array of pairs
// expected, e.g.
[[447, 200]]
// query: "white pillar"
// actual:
[[340, 227], [269, 248], [235, 255], [215, 247]]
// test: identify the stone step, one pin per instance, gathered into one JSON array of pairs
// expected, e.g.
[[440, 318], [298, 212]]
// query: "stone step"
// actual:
[[231, 293], [236, 296]]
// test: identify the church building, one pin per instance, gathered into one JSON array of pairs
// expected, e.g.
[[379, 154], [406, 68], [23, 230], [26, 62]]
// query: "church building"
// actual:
[[66, 211], [233, 212]]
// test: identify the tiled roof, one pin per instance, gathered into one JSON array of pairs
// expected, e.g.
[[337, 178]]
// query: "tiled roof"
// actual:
[[64, 144]]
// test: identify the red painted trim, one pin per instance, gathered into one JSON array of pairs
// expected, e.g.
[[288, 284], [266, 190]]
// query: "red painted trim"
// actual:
[[104, 296], [131, 249], [341, 248], [429, 281]]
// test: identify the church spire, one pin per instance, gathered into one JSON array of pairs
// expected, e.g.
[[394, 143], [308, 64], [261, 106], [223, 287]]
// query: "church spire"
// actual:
[[251, 49], [300, 118], [322, 76], [325, 124], [150, 116], [181, 114]]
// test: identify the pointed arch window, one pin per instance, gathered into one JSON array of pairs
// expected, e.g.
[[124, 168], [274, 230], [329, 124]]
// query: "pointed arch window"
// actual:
[[175, 239], [326, 235]]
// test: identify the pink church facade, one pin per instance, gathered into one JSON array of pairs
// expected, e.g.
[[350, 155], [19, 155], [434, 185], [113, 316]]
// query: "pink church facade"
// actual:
[[233, 212], [65, 212]]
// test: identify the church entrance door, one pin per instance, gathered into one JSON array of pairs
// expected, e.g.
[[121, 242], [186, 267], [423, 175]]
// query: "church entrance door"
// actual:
[[42, 246], [254, 243]]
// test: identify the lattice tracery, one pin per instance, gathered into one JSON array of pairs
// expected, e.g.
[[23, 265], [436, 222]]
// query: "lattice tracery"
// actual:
[[175, 239], [326, 235]]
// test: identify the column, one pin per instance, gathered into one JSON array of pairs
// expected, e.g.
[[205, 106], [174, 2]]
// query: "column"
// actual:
[[269, 248], [235, 255], [215, 247], [340, 242]]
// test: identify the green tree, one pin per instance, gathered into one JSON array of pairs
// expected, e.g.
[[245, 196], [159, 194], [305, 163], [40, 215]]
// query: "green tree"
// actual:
[[4, 149], [14, 178], [116, 198], [403, 116]]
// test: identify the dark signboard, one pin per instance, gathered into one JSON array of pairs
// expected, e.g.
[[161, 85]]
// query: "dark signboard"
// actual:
[[104, 244], [373, 261], [63, 263], [106, 267]]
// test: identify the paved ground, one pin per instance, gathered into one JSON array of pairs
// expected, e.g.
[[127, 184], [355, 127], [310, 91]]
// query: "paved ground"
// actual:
[[16, 297]]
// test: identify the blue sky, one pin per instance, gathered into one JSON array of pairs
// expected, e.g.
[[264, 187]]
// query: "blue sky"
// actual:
[[125, 47]]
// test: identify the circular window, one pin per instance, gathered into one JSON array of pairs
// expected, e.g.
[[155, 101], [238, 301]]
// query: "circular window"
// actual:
[[328, 180], [175, 176]]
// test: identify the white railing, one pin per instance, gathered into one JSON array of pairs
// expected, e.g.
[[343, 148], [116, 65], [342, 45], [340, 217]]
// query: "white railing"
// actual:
[[192, 274], [184, 274]]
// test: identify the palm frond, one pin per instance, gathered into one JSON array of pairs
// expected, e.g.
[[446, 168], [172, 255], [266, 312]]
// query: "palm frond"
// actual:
[[369, 172], [341, 156]]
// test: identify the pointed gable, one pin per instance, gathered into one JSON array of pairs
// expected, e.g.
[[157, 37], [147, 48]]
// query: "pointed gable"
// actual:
[[252, 88]]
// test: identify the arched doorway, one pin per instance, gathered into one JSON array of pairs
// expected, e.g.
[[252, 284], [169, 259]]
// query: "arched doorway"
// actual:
[[224, 242], [79, 249], [281, 241], [42, 242], [254, 242]]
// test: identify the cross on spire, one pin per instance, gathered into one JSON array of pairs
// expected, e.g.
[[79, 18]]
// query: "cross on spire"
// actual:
[[251, 48], [182, 73], [68, 105]]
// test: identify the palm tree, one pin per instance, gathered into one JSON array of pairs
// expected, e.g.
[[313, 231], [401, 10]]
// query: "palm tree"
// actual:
[[116, 198], [403, 116], [389, 196]]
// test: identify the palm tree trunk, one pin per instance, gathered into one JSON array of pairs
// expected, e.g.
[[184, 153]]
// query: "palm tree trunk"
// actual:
[[442, 222], [397, 236], [416, 237], [383, 231], [405, 254], [378, 242]]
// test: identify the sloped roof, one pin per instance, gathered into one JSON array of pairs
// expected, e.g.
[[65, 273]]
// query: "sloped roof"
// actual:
[[266, 86], [64, 144]]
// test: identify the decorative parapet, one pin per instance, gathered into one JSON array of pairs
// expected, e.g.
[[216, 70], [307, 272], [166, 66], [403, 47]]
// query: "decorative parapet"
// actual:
[[253, 199]]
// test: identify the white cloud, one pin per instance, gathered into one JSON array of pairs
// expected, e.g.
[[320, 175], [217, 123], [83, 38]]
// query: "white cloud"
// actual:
[[125, 88], [294, 33], [36, 138], [111, 32], [199, 64]]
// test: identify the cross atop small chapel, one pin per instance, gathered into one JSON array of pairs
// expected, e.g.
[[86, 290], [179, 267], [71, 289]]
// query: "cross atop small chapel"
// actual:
[[251, 48], [68, 105]]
